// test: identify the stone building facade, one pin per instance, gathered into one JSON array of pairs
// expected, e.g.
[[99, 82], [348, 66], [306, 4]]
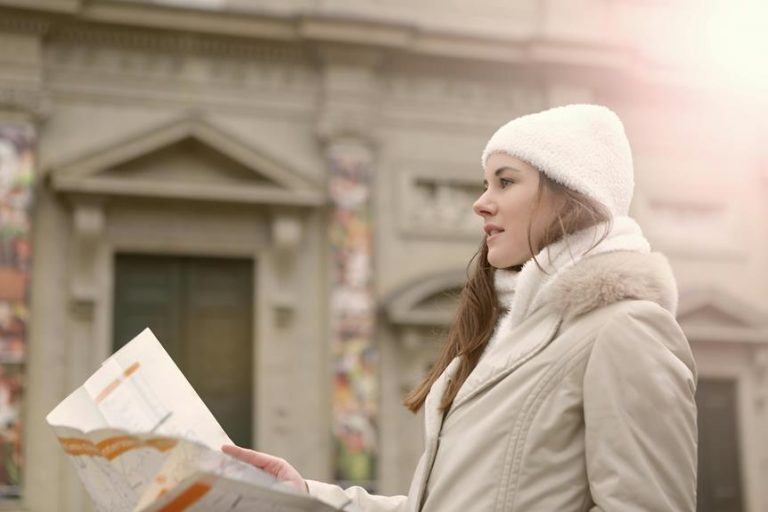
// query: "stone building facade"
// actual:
[[331, 150]]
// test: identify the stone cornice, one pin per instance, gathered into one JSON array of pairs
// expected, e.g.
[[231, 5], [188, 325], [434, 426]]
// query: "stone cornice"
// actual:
[[355, 31], [100, 35], [20, 21], [28, 101], [190, 20], [65, 6], [190, 29]]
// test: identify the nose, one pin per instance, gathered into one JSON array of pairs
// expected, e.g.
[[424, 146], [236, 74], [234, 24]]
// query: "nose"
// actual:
[[484, 206]]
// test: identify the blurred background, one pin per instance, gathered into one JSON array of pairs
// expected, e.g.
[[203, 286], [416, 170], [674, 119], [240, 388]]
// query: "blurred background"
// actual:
[[281, 190]]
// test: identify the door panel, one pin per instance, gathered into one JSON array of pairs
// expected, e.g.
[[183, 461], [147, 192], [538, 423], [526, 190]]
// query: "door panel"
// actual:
[[201, 310], [719, 478]]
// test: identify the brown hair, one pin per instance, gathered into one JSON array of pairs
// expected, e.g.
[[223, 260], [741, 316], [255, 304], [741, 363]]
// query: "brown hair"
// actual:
[[478, 304]]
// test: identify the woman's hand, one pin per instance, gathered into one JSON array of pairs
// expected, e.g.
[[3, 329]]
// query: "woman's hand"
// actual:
[[275, 466]]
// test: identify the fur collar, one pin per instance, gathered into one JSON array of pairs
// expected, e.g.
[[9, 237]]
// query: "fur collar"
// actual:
[[603, 279]]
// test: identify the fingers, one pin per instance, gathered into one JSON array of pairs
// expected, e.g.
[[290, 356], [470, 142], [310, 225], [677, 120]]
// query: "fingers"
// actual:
[[258, 459], [276, 466], [249, 456]]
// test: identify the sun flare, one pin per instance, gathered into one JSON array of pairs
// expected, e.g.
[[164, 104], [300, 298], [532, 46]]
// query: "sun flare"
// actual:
[[736, 42]]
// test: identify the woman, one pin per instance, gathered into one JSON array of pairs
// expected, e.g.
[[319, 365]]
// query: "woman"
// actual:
[[565, 383]]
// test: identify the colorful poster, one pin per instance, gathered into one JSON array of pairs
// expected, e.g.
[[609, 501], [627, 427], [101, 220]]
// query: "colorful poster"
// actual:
[[16, 184], [352, 321]]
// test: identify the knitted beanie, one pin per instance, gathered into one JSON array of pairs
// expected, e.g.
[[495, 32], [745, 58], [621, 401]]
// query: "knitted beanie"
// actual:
[[583, 147]]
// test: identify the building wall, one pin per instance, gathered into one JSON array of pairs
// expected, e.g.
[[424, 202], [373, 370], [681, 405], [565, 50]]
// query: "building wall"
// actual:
[[412, 89]]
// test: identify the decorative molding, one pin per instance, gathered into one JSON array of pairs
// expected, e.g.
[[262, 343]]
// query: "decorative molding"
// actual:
[[286, 233], [88, 228], [685, 227], [413, 89], [342, 123], [694, 300], [377, 33], [363, 31], [239, 24], [715, 315], [58, 6], [687, 209], [27, 100], [239, 66], [104, 186], [287, 236], [124, 62], [349, 106], [436, 202], [411, 304], [726, 336], [180, 43], [14, 22], [272, 182], [197, 29], [287, 230]]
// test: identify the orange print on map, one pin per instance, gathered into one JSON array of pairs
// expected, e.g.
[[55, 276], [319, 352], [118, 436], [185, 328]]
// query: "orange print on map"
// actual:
[[113, 447], [75, 446], [187, 498], [113, 385]]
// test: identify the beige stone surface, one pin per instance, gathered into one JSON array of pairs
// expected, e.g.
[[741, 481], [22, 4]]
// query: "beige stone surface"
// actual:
[[421, 85]]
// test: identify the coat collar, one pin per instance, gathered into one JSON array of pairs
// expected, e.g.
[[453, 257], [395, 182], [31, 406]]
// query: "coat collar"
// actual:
[[592, 283], [603, 279]]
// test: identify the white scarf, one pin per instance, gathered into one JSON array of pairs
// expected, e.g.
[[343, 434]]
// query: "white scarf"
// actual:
[[520, 292]]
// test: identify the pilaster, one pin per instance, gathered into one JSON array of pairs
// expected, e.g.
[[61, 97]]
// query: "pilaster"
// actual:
[[346, 127]]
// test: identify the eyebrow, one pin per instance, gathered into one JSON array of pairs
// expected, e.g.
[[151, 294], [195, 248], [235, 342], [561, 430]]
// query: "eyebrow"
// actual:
[[502, 169]]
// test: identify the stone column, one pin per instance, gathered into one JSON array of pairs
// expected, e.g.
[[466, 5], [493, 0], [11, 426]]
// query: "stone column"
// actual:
[[16, 186], [22, 105], [346, 127]]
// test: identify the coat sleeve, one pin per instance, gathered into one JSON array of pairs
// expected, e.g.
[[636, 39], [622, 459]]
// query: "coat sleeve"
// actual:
[[640, 414], [354, 499]]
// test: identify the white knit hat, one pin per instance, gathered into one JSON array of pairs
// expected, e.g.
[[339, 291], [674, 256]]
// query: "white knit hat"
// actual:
[[583, 147]]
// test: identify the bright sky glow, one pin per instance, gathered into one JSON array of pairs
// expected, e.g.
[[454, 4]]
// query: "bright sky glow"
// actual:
[[736, 43]]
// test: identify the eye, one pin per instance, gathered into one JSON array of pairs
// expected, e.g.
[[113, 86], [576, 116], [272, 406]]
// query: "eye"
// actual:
[[506, 182]]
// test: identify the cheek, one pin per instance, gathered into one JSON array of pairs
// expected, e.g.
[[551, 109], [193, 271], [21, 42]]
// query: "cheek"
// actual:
[[520, 215], [542, 220]]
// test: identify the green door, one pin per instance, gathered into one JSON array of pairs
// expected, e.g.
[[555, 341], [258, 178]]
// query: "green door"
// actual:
[[201, 310], [719, 478]]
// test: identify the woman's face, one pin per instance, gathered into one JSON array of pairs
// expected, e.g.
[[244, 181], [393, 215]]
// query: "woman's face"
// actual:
[[509, 205]]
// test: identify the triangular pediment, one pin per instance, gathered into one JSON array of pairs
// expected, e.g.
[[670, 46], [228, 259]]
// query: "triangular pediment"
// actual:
[[719, 309], [430, 301], [711, 314], [187, 159]]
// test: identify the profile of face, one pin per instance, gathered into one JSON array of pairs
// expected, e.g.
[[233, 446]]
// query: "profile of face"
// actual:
[[510, 205]]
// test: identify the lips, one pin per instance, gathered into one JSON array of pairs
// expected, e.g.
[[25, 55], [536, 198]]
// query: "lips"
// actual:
[[492, 231]]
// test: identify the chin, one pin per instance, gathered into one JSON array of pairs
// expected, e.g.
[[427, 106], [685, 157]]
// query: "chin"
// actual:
[[495, 263], [504, 262]]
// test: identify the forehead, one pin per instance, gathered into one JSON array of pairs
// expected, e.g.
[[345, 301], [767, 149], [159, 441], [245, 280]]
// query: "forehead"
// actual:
[[497, 161]]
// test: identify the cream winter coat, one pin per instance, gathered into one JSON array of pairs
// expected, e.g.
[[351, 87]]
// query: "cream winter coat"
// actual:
[[586, 405]]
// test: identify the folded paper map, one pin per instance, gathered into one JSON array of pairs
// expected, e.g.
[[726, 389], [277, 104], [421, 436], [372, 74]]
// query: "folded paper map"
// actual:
[[142, 440]]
